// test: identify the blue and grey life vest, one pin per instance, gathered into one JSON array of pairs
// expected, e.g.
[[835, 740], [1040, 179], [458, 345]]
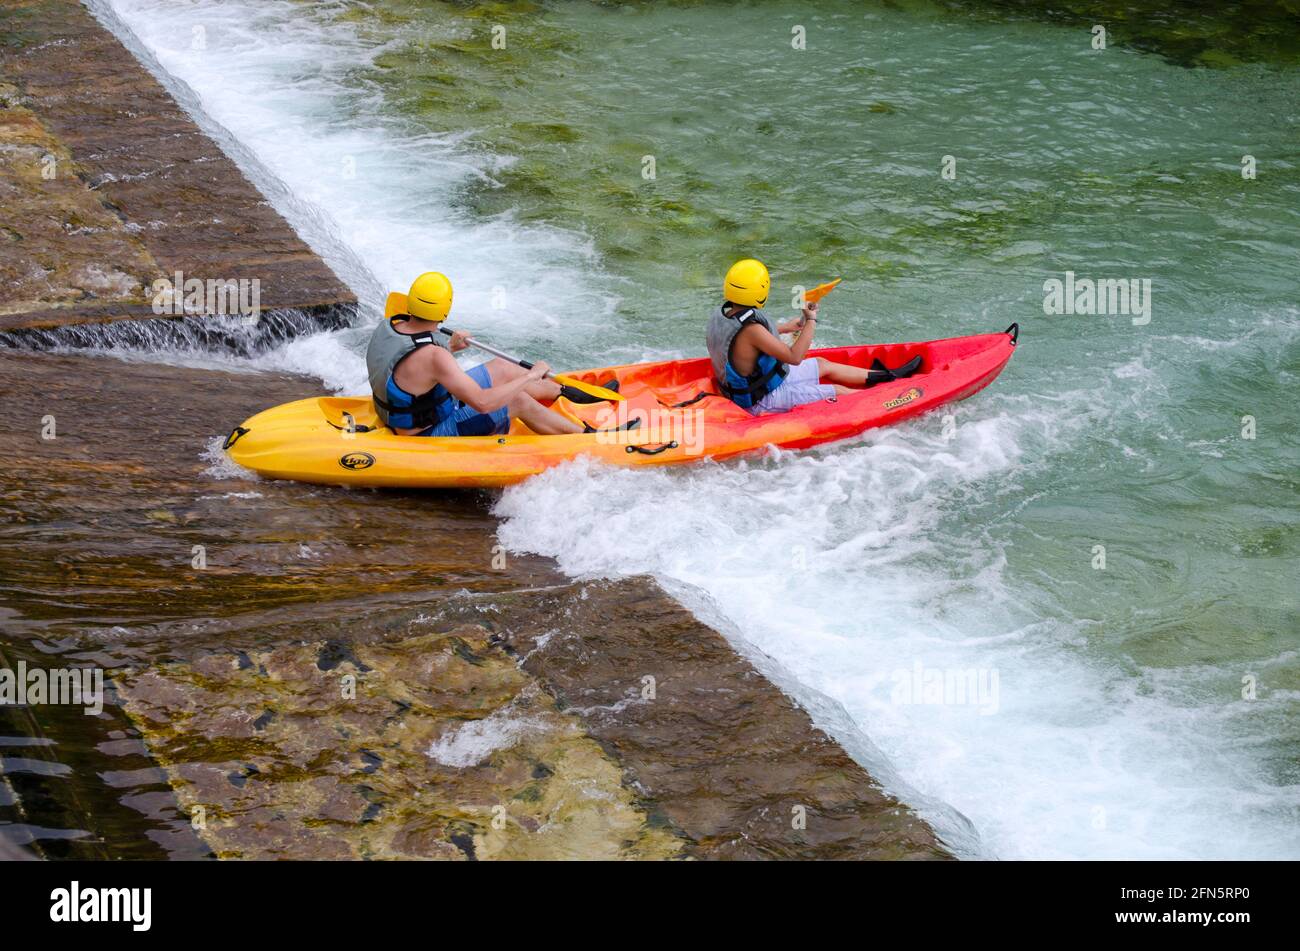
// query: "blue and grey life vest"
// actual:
[[397, 408], [769, 372]]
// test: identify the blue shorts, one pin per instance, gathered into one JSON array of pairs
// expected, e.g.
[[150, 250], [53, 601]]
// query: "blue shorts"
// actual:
[[466, 421]]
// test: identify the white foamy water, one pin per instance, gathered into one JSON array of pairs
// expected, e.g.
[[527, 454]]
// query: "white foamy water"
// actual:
[[861, 570], [856, 570], [476, 740], [283, 86]]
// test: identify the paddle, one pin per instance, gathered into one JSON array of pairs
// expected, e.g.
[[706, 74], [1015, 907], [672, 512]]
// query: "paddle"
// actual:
[[817, 293], [597, 391], [820, 291], [396, 304]]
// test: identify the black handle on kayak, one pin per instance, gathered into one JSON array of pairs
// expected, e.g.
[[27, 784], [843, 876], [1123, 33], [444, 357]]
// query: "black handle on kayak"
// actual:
[[1014, 330], [233, 437], [653, 452]]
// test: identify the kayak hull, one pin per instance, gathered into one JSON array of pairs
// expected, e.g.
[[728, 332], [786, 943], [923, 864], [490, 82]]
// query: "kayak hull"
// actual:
[[325, 440]]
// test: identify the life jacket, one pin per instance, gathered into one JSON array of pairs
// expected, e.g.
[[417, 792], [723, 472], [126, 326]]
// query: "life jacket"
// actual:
[[397, 408], [769, 372]]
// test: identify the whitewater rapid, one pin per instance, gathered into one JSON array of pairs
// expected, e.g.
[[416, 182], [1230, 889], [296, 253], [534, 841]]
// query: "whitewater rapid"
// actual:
[[282, 87], [859, 570]]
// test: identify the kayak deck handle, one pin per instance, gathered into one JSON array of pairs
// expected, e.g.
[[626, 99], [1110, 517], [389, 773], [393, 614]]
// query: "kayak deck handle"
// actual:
[[234, 437], [653, 452], [1014, 330], [350, 425]]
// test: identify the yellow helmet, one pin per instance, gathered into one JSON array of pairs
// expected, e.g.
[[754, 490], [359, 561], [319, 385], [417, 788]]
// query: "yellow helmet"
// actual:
[[429, 297], [747, 283]]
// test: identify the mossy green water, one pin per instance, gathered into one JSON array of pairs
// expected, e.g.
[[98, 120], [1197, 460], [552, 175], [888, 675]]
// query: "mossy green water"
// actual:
[[673, 154], [1191, 33]]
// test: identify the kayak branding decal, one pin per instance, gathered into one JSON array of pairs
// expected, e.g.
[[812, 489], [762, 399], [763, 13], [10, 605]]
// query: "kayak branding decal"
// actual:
[[915, 393], [357, 460]]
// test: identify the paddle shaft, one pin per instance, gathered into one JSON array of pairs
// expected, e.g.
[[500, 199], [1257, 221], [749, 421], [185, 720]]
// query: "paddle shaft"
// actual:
[[591, 389], [492, 350]]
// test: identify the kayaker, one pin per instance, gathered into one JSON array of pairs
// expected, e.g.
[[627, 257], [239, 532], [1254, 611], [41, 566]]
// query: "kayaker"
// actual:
[[757, 370], [420, 390]]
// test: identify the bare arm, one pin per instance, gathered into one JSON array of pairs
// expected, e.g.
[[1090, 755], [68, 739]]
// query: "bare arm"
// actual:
[[797, 324], [460, 385], [774, 346]]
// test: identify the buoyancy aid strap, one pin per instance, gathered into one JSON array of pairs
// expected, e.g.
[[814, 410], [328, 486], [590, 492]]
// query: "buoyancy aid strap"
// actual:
[[425, 401], [757, 387], [757, 382]]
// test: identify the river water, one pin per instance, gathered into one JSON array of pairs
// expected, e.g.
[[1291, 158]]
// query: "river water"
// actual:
[[1104, 541]]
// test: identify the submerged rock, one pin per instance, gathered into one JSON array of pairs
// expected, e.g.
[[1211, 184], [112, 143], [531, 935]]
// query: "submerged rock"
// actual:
[[410, 750], [440, 738]]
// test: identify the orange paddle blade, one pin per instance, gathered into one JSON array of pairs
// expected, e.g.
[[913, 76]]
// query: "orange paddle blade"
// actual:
[[820, 291]]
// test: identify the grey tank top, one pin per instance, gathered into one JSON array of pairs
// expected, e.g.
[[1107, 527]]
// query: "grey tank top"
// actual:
[[387, 348], [721, 334]]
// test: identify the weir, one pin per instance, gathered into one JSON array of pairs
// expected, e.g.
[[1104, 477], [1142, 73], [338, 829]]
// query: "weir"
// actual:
[[308, 673], [110, 186], [234, 335]]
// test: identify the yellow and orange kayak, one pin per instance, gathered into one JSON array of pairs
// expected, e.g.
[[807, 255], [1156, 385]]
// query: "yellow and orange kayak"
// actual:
[[339, 440]]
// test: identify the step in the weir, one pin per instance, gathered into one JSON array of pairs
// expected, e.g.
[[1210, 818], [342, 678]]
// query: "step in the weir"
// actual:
[[218, 336], [108, 186], [500, 710]]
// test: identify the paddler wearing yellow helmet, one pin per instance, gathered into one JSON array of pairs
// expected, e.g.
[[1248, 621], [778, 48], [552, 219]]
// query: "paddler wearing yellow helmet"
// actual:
[[419, 388], [757, 370]]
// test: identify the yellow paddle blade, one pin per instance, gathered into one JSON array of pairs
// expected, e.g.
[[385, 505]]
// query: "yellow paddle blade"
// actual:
[[597, 391], [396, 304], [820, 291]]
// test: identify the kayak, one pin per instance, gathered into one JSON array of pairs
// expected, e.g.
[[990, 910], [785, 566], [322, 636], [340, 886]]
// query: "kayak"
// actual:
[[340, 441]]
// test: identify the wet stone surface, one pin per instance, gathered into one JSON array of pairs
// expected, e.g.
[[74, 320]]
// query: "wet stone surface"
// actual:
[[108, 185], [500, 710], [420, 746]]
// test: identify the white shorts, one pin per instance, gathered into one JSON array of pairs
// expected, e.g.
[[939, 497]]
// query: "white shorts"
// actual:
[[801, 386]]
